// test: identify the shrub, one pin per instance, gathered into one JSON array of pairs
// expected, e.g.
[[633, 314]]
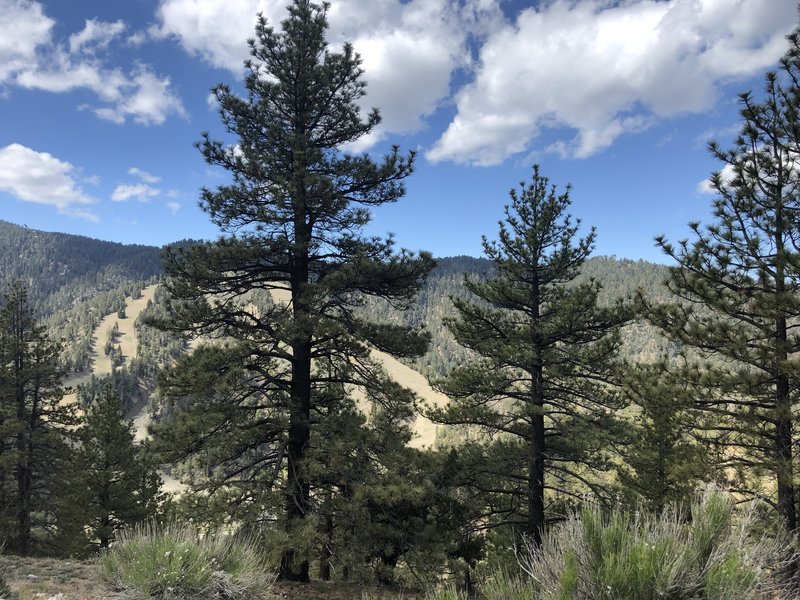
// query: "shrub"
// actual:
[[176, 561], [713, 555]]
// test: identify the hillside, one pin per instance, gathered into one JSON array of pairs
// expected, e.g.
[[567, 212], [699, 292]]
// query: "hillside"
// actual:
[[620, 278], [74, 280], [55, 263], [79, 284]]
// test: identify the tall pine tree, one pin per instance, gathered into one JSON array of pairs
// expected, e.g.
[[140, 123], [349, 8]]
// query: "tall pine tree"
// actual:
[[119, 487], [544, 356], [292, 218], [35, 426], [739, 282]]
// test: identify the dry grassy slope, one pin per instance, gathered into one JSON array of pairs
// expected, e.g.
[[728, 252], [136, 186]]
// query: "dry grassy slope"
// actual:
[[101, 363], [43, 578], [424, 429]]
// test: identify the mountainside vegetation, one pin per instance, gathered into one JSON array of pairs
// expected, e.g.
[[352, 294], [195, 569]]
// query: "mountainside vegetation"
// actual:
[[620, 279], [74, 281]]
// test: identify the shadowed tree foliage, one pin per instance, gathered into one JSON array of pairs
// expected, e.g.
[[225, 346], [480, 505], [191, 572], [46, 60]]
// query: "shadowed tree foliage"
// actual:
[[739, 280], [539, 385], [292, 217], [664, 461], [34, 426], [120, 489]]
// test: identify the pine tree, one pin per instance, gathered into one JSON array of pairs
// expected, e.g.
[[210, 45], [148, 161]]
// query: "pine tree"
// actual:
[[119, 487], [664, 461], [292, 219], [545, 350], [35, 425], [739, 282]]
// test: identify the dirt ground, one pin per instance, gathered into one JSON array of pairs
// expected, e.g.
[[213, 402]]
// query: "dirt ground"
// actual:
[[43, 578]]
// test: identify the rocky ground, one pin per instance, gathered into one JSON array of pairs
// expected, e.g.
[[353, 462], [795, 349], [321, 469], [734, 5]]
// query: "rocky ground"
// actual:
[[51, 579], [46, 578]]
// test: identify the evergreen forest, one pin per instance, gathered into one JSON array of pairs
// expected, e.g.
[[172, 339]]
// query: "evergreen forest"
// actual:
[[236, 418]]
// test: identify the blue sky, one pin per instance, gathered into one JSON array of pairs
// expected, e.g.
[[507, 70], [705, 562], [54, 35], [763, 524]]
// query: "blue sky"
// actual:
[[101, 102]]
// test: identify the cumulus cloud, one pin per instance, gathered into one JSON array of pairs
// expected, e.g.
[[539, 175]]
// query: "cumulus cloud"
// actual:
[[604, 68], [145, 97], [410, 52], [141, 95], [23, 28], [138, 191], [95, 35], [410, 49], [143, 175], [31, 59], [215, 31], [705, 187], [173, 207], [39, 177]]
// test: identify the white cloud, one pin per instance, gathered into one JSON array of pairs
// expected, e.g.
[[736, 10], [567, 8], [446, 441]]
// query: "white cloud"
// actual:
[[41, 178], [410, 50], [705, 187], [138, 191], [23, 28], [718, 134], [146, 98], [791, 164], [138, 38], [215, 31], [29, 58], [174, 207], [95, 35], [143, 175], [605, 68]]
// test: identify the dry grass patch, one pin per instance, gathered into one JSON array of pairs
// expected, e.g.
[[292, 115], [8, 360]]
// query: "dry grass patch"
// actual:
[[42, 578]]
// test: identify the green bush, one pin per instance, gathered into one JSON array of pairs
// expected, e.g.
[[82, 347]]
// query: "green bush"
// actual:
[[713, 555], [175, 561]]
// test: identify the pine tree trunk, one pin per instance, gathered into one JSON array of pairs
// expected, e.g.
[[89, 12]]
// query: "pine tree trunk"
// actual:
[[783, 404], [326, 554], [298, 499], [298, 489], [24, 482], [24, 513], [783, 442], [535, 526]]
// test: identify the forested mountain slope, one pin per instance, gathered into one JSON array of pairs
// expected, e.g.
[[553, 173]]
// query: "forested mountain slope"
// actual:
[[53, 263], [620, 278], [74, 280]]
